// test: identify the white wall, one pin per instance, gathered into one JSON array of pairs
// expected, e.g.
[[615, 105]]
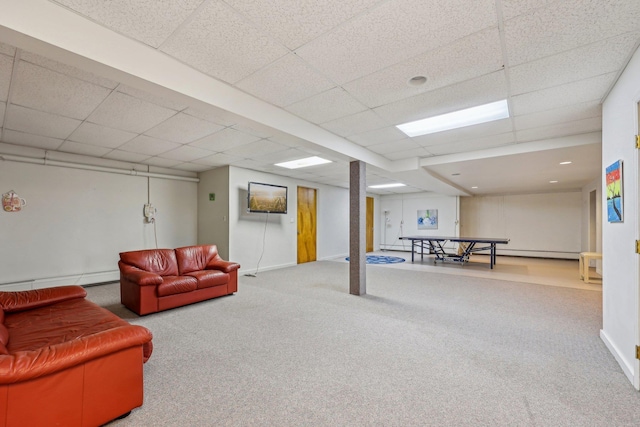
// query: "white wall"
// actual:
[[213, 215], [620, 318], [271, 239], [402, 218], [77, 221], [542, 225]]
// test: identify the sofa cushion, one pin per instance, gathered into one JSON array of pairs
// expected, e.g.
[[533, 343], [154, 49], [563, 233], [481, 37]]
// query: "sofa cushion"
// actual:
[[172, 285], [195, 258], [210, 278], [159, 261], [32, 330], [4, 334]]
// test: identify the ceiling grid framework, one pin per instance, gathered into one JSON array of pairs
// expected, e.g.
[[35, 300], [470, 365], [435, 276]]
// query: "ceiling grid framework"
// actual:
[[335, 75]]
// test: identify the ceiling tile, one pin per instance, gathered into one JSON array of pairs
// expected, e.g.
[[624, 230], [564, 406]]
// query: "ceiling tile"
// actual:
[[31, 140], [513, 8], [89, 133], [393, 32], [224, 140], [326, 106], [45, 90], [186, 153], [566, 25], [595, 59], [126, 156], [67, 70], [592, 89], [464, 59], [152, 98], [250, 164], [555, 116], [593, 124], [131, 114], [296, 22], [6, 68], [256, 149], [285, 81], [255, 128], [39, 123], [489, 88], [192, 167], [151, 22], [221, 43], [283, 155], [6, 49], [160, 162], [143, 144], [290, 140], [183, 128], [482, 130], [218, 159], [355, 123], [3, 106], [84, 149], [213, 114]]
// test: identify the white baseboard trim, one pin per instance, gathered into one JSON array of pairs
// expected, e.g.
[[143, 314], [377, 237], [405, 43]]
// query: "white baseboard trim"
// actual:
[[50, 282], [252, 271], [626, 368]]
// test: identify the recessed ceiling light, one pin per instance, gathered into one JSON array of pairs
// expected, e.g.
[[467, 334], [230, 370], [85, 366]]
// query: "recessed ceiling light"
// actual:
[[303, 163], [395, 184], [565, 163], [417, 80], [552, 182], [457, 119], [474, 187]]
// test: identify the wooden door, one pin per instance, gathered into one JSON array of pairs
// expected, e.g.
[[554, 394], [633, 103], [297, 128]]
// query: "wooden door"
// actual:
[[306, 224], [369, 224]]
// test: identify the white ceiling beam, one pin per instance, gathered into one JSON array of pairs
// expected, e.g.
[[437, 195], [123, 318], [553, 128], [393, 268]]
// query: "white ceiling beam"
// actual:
[[55, 32], [508, 150]]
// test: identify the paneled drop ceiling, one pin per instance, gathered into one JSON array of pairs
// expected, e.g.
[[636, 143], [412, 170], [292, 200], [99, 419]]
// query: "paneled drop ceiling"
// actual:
[[192, 85]]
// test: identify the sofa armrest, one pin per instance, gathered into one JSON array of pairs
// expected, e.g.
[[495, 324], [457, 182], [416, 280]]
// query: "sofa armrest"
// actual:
[[138, 276], [25, 300], [27, 365], [219, 264]]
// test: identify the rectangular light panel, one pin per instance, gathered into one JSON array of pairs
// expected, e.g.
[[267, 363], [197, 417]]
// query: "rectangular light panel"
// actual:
[[457, 119], [303, 163], [395, 184]]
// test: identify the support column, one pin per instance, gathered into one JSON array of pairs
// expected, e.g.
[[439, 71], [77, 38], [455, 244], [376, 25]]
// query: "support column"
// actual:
[[357, 231]]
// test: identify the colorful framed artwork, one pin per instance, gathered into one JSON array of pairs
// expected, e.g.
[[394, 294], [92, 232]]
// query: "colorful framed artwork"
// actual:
[[614, 192], [428, 219]]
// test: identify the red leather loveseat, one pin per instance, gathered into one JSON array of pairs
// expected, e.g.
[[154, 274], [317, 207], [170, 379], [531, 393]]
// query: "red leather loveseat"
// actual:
[[154, 280], [64, 361]]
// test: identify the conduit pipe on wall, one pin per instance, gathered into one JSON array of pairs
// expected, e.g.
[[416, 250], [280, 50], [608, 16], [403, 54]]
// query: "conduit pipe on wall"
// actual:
[[47, 162]]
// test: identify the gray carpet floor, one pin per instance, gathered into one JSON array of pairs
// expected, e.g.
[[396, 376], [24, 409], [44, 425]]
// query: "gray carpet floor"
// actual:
[[293, 348]]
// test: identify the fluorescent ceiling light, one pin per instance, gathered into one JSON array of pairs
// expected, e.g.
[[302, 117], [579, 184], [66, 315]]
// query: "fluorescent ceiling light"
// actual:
[[303, 163], [565, 163], [395, 184], [457, 119]]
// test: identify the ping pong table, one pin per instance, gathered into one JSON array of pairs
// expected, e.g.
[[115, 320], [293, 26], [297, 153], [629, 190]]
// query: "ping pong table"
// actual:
[[468, 245]]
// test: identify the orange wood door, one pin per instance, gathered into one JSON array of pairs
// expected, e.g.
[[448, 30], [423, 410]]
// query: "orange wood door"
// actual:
[[306, 224], [369, 224]]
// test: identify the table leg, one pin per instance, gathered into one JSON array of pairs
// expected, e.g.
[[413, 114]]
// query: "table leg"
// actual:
[[493, 255]]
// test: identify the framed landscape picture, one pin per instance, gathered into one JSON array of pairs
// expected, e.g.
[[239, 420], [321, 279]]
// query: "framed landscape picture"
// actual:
[[614, 192]]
